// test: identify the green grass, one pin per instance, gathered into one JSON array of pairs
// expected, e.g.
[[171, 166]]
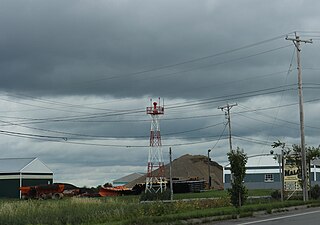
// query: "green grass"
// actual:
[[260, 192], [126, 210], [220, 194], [204, 194], [97, 211]]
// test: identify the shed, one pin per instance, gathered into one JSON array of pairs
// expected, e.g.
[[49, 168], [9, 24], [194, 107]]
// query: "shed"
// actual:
[[18, 172]]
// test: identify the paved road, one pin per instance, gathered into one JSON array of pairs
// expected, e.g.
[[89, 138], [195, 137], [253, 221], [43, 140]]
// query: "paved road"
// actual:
[[296, 217]]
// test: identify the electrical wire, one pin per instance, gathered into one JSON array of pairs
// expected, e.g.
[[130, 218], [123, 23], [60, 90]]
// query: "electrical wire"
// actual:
[[265, 91], [218, 63], [190, 61], [222, 133]]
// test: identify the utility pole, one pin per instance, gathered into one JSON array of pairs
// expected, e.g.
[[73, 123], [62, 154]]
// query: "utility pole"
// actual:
[[296, 41], [281, 171], [227, 108], [171, 184], [209, 177]]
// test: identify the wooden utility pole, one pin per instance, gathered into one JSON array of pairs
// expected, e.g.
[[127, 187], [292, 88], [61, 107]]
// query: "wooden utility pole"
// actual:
[[209, 177], [281, 169], [296, 41], [227, 108], [171, 184]]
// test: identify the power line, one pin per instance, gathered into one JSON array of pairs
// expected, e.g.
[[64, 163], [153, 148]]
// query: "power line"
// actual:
[[219, 63], [175, 106], [222, 133], [28, 135], [66, 141], [191, 60], [87, 106], [252, 140]]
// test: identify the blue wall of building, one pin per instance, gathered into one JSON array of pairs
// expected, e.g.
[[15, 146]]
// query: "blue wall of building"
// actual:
[[256, 181]]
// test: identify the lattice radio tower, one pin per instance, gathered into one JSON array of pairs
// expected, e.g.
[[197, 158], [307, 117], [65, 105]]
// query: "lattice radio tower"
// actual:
[[155, 181]]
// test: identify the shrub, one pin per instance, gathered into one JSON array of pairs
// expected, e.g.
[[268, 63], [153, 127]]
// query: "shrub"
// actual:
[[315, 192], [152, 196], [238, 192], [276, 194]]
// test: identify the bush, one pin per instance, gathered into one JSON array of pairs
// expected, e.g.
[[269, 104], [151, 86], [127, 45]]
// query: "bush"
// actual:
[[315, 192], [276, 194], [152, 196], [238, 194]]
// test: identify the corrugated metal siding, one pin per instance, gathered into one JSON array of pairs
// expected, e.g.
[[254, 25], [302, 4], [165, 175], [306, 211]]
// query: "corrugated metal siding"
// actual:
[[256, 181], [318, 176], [258, 185], [9, 188], [254, 178], [34, 182]]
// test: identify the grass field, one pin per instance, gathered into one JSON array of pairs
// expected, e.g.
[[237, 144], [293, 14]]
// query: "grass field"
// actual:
[[220, 194], [94, 210], [121, 210]]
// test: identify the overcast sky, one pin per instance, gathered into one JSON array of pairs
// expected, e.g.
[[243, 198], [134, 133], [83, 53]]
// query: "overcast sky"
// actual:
[[77, 76]]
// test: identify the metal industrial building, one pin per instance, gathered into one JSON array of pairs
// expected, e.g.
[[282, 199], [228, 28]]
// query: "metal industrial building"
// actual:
[[262, 172], [18, 172]]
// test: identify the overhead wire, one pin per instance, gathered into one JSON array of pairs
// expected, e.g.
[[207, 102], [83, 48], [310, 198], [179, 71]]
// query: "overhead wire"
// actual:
[[222, 133], [25, 135], [103, 115], [191, 60], [219, 63], [159, 68], [271, 90]]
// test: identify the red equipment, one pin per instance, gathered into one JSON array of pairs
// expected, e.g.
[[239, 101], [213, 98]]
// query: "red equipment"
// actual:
[[54, 191]]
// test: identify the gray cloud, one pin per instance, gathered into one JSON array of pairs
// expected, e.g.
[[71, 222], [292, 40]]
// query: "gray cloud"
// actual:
[[70, 68]]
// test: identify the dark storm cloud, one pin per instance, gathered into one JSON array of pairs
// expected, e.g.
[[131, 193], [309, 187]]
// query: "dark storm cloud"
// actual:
[[66, 59], [62, 47]]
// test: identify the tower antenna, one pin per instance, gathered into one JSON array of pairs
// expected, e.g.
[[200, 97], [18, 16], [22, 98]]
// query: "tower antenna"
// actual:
[[155, 181]]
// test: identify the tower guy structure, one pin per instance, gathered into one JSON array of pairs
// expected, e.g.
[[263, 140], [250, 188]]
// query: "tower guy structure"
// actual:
[[155, 181]]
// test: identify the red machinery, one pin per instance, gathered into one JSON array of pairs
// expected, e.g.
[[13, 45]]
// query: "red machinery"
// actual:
[[115, 191], [54, 191]]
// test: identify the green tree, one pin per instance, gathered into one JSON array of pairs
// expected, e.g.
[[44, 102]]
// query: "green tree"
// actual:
[[294, 155], [238, 192], [312, 153]]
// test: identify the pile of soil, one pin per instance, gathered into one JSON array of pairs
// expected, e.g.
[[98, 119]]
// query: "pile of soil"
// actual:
[[191, 167]]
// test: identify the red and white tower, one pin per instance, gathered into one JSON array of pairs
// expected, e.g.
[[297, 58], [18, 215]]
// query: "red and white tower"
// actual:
[[155, 181]]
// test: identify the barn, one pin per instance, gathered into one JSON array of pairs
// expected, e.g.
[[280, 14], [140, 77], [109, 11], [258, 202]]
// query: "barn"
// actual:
[[18, 172]]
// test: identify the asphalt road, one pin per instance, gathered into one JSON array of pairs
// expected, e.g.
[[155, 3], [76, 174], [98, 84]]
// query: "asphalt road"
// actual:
[[309, 216]]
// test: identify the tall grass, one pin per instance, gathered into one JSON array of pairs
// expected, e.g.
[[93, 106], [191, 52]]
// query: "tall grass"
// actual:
[[221, 194], [120, 210], [93, 211]]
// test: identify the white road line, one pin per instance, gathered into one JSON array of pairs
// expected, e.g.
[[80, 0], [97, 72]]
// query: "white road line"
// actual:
[[280, 217]]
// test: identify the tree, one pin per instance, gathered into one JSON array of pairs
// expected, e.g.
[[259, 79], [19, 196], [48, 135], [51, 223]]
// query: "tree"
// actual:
[[238, 192], [294, 155], [312, 154]]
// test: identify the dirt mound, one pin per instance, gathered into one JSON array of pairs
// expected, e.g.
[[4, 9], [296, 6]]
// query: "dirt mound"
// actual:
[[191, 166]]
